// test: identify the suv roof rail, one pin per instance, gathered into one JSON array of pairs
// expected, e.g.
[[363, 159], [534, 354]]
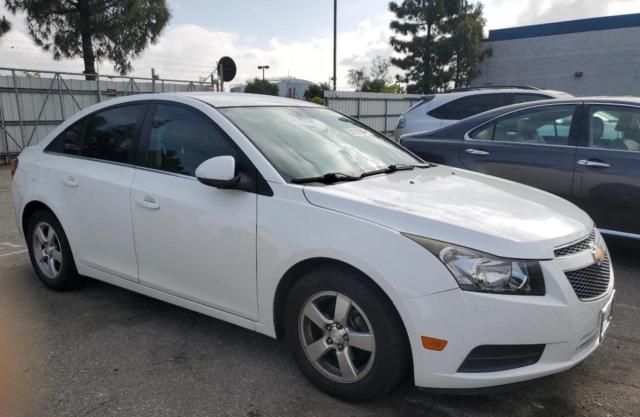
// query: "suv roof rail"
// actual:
[[493, 87]]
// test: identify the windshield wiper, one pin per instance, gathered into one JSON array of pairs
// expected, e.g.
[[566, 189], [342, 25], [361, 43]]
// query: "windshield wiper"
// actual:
[[329, 178], [333, 177], [394, 168]]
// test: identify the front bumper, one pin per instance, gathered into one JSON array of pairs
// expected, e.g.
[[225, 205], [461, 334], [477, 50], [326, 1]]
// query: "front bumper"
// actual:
[[568, 327]]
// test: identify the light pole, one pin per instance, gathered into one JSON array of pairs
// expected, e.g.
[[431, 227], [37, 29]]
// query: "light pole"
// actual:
[[263, 67], [335, 42]]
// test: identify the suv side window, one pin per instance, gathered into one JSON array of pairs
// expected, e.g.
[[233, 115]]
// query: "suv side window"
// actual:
[[181, 139], [469, 106], [109, 134], [526, 97], [614, 127], [542, 125]]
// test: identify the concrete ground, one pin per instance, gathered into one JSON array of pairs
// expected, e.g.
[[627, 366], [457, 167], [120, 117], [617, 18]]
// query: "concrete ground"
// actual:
[[103, 351]]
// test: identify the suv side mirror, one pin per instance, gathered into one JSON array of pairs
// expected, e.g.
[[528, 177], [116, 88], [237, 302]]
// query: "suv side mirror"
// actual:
[[219, 172]]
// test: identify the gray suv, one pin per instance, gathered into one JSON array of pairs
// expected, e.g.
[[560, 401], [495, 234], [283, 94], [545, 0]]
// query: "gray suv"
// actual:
[[438, 110]]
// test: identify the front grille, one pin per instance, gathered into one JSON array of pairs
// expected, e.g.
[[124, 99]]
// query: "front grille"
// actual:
[[592, 281], [581, 246], [494, 358]]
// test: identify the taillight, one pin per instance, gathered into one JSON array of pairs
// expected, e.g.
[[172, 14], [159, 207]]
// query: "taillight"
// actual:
[[14, 166]]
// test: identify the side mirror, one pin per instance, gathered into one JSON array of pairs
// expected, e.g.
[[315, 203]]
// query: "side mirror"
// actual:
[[219, 172]]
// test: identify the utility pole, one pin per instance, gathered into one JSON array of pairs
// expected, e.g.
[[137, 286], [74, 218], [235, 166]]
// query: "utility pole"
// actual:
[[335, 42], [263, 67]]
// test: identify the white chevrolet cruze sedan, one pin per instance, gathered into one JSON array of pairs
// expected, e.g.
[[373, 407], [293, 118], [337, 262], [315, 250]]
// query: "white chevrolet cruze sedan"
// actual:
[[292, 220]]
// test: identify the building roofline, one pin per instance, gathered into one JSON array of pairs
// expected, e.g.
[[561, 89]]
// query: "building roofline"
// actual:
[[566, 27]]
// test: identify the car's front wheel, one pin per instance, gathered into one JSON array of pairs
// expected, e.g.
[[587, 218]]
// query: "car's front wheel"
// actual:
[[345, 335], [50, 253]]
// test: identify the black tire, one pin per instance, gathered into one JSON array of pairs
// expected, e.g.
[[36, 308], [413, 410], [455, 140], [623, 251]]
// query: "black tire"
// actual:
[[67, 277], [391, 361]]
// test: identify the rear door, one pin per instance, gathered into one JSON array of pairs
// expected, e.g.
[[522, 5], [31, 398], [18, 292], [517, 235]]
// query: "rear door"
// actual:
[[535, 146], [607, 170], [93, 175]]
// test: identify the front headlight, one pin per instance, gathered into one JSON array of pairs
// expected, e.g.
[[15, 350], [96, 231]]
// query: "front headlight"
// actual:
[[478, 271]]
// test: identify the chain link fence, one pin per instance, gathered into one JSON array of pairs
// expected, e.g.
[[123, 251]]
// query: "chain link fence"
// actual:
[[34, 102]]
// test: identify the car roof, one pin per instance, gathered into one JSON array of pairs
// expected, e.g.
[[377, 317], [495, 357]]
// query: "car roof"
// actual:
[[243, 99], [459, 128]]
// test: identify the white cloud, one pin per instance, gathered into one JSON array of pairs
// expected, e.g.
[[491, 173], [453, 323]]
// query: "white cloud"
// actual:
[[191, 51]]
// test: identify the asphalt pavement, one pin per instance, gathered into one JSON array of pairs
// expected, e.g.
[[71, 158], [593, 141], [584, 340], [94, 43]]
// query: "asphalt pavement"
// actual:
[[104, 351]]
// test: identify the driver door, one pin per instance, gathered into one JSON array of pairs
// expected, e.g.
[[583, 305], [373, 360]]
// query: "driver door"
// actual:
[[192, 240]]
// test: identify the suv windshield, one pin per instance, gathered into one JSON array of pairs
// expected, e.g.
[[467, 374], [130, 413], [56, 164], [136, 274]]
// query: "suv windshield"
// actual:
[[307, 142]]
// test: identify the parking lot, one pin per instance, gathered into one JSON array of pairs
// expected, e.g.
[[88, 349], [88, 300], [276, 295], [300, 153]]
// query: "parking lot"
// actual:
[[101, 351]]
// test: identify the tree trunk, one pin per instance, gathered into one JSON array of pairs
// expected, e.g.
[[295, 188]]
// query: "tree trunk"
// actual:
[[87, 46], [427, 62], [89, 58]]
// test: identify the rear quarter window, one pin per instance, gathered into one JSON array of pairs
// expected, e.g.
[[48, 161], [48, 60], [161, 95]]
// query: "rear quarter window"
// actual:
[[69, 141]]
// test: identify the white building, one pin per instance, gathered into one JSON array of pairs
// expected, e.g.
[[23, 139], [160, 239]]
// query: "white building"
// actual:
[[287, 87], [599, 56]]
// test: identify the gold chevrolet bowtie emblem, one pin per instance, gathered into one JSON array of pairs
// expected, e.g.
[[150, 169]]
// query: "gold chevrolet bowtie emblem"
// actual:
[[599, 255]]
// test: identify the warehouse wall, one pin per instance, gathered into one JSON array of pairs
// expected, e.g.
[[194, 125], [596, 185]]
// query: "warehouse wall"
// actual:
[[608, 59]]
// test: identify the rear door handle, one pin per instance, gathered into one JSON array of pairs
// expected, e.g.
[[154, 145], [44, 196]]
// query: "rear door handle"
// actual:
[[478, 152], [148, 203], [593, 164], [70, 181]]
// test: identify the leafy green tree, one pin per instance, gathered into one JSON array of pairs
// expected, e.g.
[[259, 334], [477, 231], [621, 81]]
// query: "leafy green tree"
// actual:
[[316, 91], [118, 30], [317, 100], [356, 77], [5, 26], [439, 42], [466, 43], [378, 79], [258, 86], [394, 89], [373, 86], [380, 69]]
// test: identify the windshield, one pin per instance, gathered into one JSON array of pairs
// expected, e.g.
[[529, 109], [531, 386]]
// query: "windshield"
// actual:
[[304, 142]]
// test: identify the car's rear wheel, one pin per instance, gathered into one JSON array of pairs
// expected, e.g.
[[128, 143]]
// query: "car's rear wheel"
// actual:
[[345, 335], [50, 253]]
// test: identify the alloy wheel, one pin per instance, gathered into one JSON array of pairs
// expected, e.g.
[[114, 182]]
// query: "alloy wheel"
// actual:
[[337, 337], [47, 250]]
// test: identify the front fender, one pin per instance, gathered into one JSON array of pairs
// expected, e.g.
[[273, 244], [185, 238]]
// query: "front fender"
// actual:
[[290, 231]]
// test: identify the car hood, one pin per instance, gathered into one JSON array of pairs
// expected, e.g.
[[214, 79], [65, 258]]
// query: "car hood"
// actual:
[[460, 207]]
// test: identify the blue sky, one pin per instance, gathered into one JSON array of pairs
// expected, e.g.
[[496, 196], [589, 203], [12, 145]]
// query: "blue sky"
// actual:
[[286, 19], [293, 37]]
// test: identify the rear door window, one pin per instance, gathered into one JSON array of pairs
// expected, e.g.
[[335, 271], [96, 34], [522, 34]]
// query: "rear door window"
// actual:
[[109, 134], [614, 127], [541, 125]]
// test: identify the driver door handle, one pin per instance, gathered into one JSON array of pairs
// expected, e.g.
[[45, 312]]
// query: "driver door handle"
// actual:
[[70, 181], [478, 152], [148, 203], [593, 164]]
